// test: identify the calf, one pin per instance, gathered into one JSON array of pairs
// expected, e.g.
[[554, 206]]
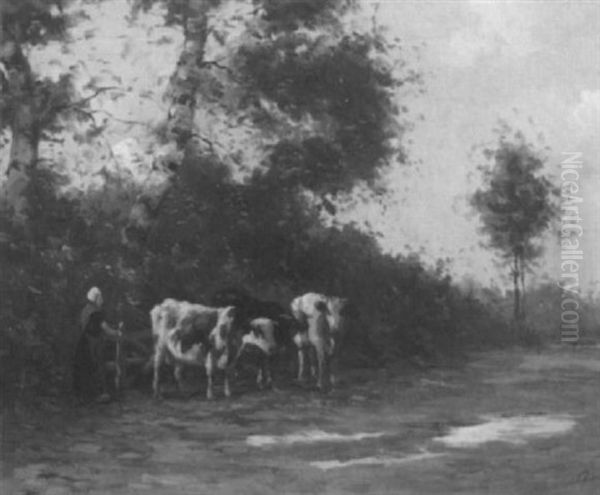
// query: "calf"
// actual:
[[193, 335], [261, 338], [250, 309], [310, 310]]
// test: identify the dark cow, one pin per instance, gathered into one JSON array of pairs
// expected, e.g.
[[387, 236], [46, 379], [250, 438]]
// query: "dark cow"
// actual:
[[249, 309]]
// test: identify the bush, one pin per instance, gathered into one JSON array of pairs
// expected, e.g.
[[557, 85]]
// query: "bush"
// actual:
[[210, 233]]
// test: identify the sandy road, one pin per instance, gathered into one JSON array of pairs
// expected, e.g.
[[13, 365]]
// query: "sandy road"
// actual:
[[508, 422]]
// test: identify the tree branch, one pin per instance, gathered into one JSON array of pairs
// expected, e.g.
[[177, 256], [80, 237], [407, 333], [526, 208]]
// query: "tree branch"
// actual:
[[124, 121], [207, 141], [87, 113], [76, 105], [215, 63], [85, 100]]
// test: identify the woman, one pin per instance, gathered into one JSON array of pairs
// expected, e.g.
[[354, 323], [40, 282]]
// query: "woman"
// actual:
[[89, 380]]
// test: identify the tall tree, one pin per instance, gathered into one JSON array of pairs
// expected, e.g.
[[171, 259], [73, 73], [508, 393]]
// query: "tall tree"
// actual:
[[294, 93], [515, 206], [29, 105], [185, 84], [192, 16]]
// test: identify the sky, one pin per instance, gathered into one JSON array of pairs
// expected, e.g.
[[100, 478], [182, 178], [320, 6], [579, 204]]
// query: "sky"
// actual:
[[536, 65]]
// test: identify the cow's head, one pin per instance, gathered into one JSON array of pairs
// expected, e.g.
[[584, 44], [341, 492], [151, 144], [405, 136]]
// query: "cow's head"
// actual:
[[339, 309], [221, 335], [321, 306]]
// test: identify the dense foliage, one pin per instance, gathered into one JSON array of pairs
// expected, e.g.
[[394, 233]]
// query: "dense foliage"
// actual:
[[322, 100]]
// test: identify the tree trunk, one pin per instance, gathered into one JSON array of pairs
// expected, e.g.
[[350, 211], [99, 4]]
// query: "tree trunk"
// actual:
[[25, 133], [183, 88], [522, 270], [516, 292], [186, 78], [23, 158]]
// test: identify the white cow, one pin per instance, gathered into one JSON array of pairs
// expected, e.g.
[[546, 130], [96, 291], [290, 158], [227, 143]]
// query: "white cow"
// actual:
[[193, 335], [322, 328]]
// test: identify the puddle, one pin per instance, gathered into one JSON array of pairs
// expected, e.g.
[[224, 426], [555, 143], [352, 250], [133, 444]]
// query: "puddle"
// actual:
[[384, 461], [172, 480], [545, 362], [514, 379], [516, 430], [306, 437]]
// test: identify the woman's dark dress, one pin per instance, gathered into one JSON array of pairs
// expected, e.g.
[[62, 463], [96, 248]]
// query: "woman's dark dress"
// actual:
[[88, 369]]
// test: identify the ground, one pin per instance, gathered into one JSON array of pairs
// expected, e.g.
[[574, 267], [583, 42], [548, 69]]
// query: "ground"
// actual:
[[507, 422]]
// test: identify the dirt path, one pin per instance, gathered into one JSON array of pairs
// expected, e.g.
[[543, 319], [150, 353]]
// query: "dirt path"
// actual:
[[509, 422]]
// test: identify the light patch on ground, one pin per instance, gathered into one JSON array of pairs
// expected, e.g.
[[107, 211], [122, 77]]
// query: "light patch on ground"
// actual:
[[312, 436], [544, 362], [516, 430], [385, 461]]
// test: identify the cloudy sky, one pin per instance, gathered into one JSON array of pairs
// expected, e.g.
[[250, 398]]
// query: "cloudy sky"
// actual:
[[534, 64]]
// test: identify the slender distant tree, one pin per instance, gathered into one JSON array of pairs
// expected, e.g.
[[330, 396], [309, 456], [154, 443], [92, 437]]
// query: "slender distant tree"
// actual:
[[516, 206]]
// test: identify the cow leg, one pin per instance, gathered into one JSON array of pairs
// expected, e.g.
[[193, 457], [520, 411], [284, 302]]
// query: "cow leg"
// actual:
[[313, 359], [264, 378], [332, 372], [223, 364], [268, 378], [259, 377], [159, 355], [300, 364], [333, 367], [333, 360], [226, 387], [209, 376], [178, 374], [321, 364]]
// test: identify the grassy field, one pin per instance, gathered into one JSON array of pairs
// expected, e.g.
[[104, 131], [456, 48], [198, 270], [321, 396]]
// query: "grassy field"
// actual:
[[509, 422]]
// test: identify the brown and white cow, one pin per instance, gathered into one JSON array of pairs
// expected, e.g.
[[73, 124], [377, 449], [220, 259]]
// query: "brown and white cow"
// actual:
[[262, 340], [322, 328], [192, 335], [263, 335]]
